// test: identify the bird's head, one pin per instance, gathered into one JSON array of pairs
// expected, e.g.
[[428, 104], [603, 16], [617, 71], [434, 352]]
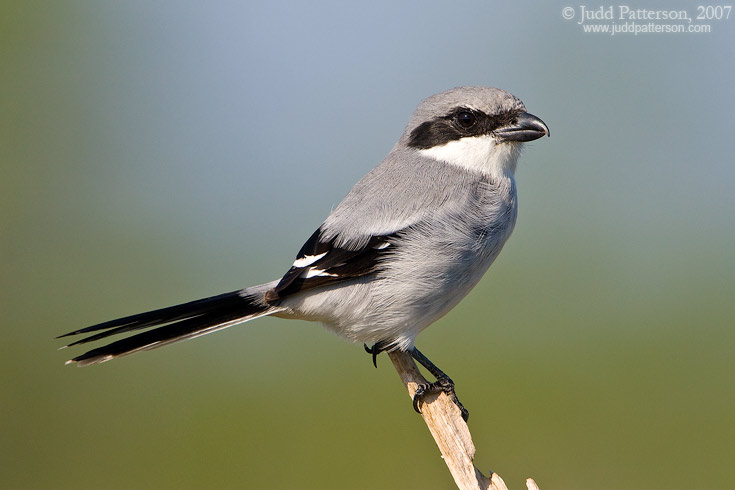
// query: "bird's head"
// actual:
[[480, 129]]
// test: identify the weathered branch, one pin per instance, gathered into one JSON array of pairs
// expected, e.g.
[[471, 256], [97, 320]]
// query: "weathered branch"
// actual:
[[449, 430]]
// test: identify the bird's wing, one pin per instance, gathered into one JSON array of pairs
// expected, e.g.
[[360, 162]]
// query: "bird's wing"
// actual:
[[322, 262], [398, 197]]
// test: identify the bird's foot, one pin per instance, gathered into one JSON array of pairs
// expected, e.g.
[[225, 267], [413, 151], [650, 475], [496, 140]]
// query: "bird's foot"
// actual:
[[376, 349], [442, 384]]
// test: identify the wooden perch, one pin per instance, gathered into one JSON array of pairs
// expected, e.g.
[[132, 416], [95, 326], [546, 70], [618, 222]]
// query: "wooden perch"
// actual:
[[449, 430]]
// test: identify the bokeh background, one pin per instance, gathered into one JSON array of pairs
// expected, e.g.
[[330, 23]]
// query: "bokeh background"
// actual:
[[158, 152]]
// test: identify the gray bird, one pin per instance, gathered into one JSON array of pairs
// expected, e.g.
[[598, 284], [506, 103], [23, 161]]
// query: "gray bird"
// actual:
[[407, 243]]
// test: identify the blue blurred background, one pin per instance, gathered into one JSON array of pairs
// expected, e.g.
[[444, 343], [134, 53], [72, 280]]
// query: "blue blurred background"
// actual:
[[157, 152]]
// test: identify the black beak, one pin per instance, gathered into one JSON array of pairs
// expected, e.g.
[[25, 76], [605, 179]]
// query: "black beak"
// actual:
[[526, 128]]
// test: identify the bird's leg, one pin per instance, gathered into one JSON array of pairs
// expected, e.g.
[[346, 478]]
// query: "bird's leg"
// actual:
[[376, 349], [443, 383]]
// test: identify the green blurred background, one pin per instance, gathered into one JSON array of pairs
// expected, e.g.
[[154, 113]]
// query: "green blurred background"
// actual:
[[157, 152]]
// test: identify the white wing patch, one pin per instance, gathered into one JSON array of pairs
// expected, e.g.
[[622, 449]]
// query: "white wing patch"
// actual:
[[310, 272], [308, 260], [313, 272]]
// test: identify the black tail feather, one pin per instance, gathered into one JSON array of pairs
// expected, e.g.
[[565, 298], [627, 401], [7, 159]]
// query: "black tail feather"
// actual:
[[163, 315], [177, 323]]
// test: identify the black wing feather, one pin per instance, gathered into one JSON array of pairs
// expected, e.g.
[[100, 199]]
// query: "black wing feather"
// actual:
[[336, 265]]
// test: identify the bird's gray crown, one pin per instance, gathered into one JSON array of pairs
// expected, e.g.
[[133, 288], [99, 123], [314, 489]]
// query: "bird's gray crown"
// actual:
[[458, 113]]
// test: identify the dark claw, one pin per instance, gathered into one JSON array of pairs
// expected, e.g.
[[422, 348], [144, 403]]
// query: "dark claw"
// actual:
[[418, 397], [444, 384], [376, 349]]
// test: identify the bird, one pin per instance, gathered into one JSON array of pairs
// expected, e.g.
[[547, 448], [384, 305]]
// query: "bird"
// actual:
[[405, 245]]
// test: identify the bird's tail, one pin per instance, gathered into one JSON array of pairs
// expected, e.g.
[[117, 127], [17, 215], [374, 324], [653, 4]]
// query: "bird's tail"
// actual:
[[175, 323]]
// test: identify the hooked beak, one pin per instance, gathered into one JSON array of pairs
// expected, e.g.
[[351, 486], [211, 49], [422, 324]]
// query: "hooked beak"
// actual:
[[526, 128]]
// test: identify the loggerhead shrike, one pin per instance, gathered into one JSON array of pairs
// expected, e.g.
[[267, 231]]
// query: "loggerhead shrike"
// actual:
[[407, 243]]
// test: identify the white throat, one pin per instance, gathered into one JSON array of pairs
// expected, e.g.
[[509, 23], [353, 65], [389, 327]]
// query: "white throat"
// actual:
[[478, 154]]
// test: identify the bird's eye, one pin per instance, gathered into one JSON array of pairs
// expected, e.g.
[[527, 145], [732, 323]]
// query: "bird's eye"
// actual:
[[466, 119]]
